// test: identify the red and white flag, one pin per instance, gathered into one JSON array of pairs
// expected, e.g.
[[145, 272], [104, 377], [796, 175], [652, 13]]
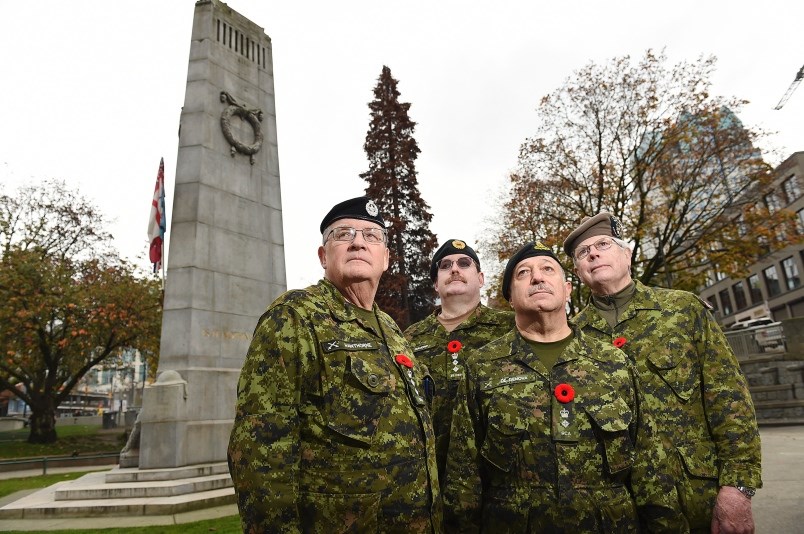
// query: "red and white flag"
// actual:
[[157, 222]]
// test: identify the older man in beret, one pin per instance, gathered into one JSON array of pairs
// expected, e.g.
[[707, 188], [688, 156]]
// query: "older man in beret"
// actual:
[[551, 434], [332, 431], [459, 325], [688, 373]]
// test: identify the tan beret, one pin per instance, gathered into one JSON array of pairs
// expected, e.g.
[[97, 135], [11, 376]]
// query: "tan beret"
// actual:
[[604, 223]]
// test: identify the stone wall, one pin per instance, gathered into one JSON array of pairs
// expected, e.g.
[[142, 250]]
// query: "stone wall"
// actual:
[[794, 334], [776, 382]]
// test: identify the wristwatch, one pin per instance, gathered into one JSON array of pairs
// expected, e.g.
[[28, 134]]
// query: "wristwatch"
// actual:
[[748, 492]]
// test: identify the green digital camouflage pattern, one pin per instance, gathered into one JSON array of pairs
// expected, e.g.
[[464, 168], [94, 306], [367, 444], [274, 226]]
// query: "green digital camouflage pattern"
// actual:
[[331, 434], [520, 461], [430, 339], [694, 386]]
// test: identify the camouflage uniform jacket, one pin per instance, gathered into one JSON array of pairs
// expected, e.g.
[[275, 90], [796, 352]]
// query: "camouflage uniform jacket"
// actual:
[[691, 381], [430, 339], [522, 461], [331, 433]]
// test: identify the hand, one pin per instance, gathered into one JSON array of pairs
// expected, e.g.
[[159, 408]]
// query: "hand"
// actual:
[[732, 513]]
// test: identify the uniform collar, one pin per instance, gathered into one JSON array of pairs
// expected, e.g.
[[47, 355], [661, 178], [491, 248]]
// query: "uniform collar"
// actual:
[[521, 350], [482, 315], [644, 298], [431, 324], [342, 310]]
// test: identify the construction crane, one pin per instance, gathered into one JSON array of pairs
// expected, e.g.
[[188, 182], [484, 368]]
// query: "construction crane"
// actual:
[[799, 77]]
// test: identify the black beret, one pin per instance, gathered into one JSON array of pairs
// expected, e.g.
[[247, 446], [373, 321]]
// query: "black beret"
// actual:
[[528, 251], [362, 208], [451, 246], [604, 223]]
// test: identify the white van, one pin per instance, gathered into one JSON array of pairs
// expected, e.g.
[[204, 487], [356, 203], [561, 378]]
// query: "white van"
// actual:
[[750, 323]]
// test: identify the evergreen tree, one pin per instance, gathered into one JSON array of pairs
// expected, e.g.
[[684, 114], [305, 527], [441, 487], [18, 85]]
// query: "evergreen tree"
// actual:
[[406, 292]]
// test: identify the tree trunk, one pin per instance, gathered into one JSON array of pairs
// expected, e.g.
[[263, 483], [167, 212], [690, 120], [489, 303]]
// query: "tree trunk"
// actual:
[[43, 426]]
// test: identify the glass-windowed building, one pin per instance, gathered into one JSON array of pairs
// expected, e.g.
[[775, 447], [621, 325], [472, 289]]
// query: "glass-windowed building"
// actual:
[[773, 286]]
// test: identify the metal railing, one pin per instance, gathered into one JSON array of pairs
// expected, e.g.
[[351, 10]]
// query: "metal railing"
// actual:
[[757, 340], [58, 461]]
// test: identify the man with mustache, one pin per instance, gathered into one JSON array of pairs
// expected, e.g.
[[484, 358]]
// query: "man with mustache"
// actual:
[[550, 433], [688, 374], [332, 431], [461, 323]]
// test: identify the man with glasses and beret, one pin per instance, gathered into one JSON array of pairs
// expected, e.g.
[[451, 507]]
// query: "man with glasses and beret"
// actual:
[[332, 431], [460, 324], [550, 433], [688, 373]]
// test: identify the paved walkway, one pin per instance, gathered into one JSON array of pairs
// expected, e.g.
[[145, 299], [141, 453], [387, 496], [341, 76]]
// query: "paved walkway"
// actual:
[[778, 506]]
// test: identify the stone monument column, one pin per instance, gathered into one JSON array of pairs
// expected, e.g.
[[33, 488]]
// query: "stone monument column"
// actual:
[[226, 260]]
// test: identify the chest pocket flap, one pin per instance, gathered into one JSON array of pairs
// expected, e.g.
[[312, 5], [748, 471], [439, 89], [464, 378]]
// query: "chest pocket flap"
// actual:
[[359, 401], [612, 415], [677, 369], [373, 377]]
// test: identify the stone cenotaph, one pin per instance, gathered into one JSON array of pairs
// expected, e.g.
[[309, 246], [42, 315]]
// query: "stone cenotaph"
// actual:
[[226, 260]]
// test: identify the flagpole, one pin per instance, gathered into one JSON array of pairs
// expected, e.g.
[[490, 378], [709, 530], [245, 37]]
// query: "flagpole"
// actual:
[[164, 214], [163, 262]]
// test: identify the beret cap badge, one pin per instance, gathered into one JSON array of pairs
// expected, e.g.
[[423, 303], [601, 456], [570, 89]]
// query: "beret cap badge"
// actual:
[[371, 208], [458, 244], [616, 228]]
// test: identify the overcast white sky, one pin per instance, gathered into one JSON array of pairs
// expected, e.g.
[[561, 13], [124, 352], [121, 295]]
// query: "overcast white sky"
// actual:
[[92, 92]]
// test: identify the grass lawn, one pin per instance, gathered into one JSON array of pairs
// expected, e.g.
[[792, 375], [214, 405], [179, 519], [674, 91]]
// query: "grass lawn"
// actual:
[[7, 487], [84, 439]]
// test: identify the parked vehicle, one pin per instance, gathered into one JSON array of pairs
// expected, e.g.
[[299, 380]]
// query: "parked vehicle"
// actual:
[[749, 323]]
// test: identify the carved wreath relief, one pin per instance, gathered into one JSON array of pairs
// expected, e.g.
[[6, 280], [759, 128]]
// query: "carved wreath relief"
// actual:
[[251, 116]]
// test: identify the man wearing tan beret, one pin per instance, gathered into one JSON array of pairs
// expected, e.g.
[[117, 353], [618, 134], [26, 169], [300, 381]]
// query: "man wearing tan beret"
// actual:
[[690, 377]]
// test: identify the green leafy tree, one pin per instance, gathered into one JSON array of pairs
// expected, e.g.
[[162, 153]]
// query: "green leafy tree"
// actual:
[[67, 300], [652, 145], [406, 292]]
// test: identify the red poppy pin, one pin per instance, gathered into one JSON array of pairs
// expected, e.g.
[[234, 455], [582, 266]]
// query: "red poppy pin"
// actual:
[[619, 342], [401, 359], [564, 393], [454, 346]]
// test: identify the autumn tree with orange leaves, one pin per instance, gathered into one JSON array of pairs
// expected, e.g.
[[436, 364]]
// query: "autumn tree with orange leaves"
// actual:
[[649, 143], [67, 300]]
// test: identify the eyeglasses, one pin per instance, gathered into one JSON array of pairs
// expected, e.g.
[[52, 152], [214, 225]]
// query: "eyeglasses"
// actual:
[[600, 245], [463, 263], [347, 233]]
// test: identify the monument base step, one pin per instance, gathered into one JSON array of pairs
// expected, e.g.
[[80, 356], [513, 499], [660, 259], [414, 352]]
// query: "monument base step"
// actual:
[[44, 504], [127, 490], [133, 474], [780, 422]]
